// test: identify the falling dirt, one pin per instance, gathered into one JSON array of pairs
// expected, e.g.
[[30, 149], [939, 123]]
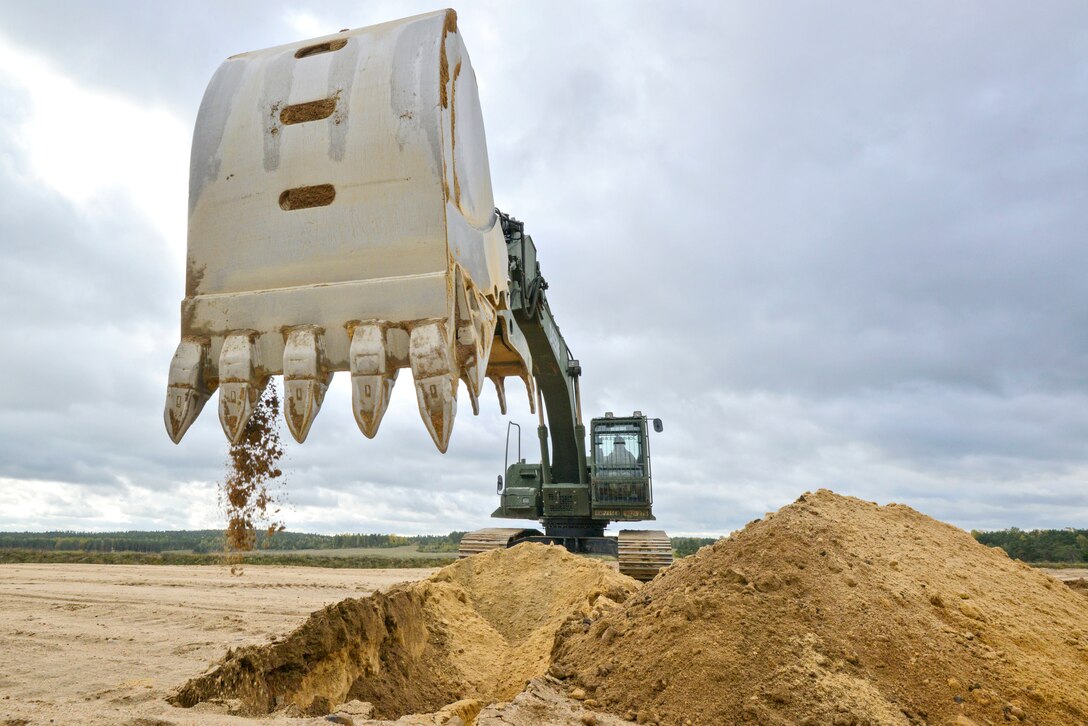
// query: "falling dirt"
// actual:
[[480, 628], [246, 494], [838, 611]]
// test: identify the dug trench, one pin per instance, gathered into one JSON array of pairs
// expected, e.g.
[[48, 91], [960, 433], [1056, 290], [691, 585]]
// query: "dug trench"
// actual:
[[830, 611], [480, 628]]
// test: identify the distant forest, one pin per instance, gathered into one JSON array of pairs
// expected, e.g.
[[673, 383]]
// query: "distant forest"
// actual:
[[1066, 546], [210, 541], [684, 546], [201, 541], [1058, 546]]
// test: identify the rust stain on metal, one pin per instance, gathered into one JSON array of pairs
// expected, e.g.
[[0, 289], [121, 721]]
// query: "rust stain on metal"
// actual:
[[450, 26], [453, 135], [187, 312], [194, 275], [174, 421]]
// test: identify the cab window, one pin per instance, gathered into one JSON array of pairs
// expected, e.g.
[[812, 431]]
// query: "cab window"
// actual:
[[617, 450]]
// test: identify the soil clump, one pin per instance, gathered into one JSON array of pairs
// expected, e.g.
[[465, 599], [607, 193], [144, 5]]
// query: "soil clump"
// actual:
[[480, 628], [837, 611], [1079, 585]]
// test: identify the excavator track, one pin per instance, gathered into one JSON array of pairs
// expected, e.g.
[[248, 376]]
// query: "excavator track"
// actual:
[[492, 538], [644, 553]]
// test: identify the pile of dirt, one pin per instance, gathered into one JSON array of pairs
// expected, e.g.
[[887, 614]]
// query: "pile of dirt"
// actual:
[[479, 628], [838, 611]]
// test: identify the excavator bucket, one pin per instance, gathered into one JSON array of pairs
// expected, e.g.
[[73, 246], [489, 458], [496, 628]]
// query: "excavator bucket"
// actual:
[[341, 219]]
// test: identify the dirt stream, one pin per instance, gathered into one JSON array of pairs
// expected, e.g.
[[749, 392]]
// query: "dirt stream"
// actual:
[[830, 611], [253, 466]]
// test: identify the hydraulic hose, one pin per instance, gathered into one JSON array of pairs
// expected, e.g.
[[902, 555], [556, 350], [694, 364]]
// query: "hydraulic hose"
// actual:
[[535, 295]]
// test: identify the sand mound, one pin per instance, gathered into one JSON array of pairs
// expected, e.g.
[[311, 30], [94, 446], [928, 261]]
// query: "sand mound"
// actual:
[[838, 611], [479, 628], [830, 611]]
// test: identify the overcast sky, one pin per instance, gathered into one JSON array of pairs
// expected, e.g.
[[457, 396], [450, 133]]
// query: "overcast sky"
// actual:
[[831, 244]]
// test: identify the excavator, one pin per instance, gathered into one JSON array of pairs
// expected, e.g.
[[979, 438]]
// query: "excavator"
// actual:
[[341, 218]]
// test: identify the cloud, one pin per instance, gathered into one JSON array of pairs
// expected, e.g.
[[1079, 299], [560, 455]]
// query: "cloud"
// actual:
[[829, 247], [83, 143]]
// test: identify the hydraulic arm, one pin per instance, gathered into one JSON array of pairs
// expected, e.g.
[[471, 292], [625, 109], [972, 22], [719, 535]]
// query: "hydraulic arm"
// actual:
[[554, 368]]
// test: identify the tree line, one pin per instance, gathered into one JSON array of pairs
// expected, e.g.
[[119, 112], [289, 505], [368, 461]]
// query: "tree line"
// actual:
[[9, 556], [1057, 546], [684, 546], [210, 541], [202, 541], [1039, 545]]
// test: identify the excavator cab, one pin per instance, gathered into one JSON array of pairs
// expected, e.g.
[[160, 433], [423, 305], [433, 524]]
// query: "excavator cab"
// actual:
[[617, 487], [620, 483]]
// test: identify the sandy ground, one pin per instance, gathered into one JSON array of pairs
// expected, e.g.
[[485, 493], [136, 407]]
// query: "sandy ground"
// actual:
[[1069, 573], [105, 644]]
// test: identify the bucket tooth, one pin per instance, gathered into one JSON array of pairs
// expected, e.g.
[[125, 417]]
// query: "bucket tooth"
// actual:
[[302, 401], [370, 399], [431, 354], [500, 391], [472, 375], [475, 332], [305, 379], [239, 386], [372, 376], [473, 399], [186, 389], [437, 398], [509, 356], [531, 390]]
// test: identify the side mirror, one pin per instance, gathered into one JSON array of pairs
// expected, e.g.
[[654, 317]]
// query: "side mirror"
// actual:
[[657, 425], [498, 485]]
